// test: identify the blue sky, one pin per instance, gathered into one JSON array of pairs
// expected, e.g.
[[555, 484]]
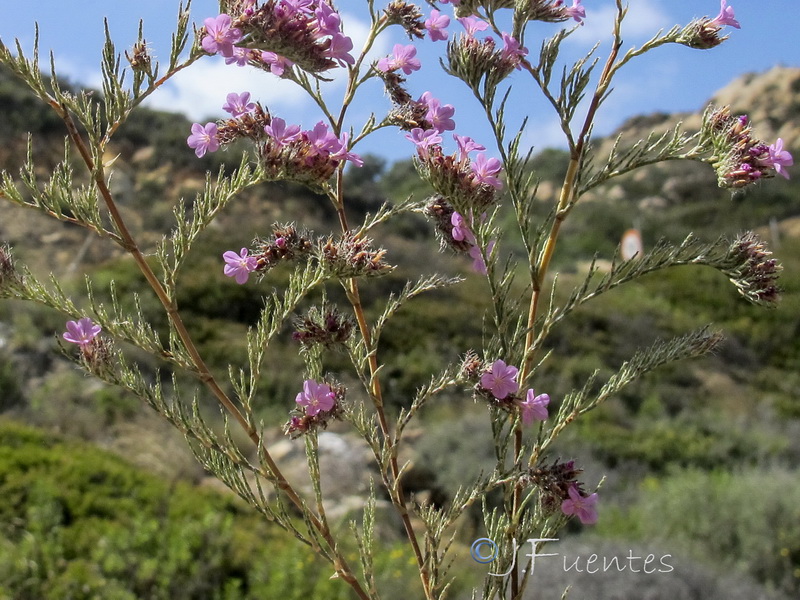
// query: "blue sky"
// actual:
[[669, 79]]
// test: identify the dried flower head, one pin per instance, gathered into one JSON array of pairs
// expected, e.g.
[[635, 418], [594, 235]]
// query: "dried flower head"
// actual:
[[285, 244], [472, 60], [407, 16], [324, 326], [554, 482], [441, 212], [139, 57], [754, 272], [352, 255]]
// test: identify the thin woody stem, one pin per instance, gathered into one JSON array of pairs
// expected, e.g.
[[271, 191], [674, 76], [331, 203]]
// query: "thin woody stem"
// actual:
[[565, 202], [202, 371], [394, 487]]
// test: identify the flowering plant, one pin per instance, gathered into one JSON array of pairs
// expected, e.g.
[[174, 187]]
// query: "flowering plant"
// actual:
[[304, 41]]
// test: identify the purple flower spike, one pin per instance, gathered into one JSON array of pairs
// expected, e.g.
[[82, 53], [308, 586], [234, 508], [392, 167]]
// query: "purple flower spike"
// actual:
[[316, 397], [239, 265], [81, 332], [585, 508], [726, 16], [436, 25], [534, 408], [203, 139], [220, 37], [500, 380], [779, 158], [238, 104]]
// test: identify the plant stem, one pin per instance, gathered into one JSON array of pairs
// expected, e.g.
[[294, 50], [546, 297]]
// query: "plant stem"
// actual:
[[394, 486], [202, 371]]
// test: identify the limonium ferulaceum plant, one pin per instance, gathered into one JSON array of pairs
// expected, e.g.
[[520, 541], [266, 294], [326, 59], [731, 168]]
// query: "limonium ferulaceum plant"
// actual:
[[486, 44]]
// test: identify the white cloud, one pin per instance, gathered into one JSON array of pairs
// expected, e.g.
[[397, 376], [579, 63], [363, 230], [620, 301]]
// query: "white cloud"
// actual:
[[200, 90]]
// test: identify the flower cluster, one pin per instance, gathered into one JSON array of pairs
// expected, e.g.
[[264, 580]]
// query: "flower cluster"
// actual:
[[560, 489], [324, 326], [738, 158], [498, 384], [755, 273], [248, 120], [309, 157], [279, 34], [352, 255], [470, 186], [704, 33], [476, 61], [285, 244], [317, 404], [407, 16]]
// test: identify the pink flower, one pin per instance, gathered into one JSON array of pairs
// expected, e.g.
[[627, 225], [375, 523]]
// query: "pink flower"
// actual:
[[473, 25], [239, 265], [339, 50], [316, 397], [461, 231], [238, 104], [534, 408], [203, 139], [725, 16], [512, 51], [277, 64], [403, 57], [281, 134], [239, 56], [328, 20], [500, 380], [779, 158], [424, 139], [344, 154], [322, 141], [485, 170], [466, 145], [436, 24], [576, 11], [81, 332], [478, 264], [220, 38], [440, 116], [583, 507]]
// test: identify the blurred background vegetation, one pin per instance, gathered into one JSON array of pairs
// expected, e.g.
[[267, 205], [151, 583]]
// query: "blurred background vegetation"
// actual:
[[101, 500]]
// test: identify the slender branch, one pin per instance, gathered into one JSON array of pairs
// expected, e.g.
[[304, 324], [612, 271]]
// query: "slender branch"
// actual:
[[202, 371], [394, 487]]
